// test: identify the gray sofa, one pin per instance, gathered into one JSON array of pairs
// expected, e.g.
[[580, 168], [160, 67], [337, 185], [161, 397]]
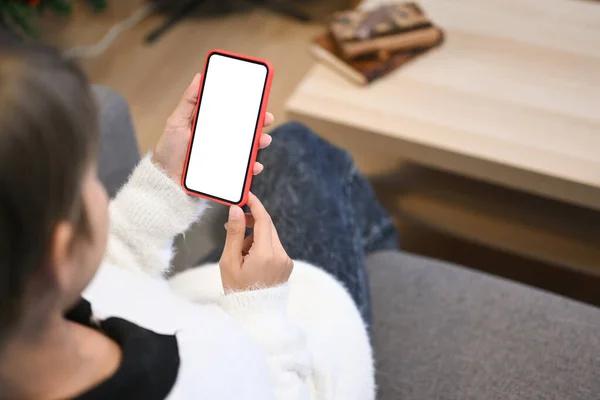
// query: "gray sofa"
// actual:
[[440, 331]]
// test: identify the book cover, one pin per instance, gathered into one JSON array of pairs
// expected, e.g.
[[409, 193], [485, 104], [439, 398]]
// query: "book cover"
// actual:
[[391, 27], [362, 70]]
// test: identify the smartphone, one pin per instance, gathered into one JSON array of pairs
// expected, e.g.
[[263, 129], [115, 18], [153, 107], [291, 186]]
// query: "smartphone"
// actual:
[[229, 117]]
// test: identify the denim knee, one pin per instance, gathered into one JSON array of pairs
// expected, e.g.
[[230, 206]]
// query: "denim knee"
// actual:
[[295, 136], [295, 141]]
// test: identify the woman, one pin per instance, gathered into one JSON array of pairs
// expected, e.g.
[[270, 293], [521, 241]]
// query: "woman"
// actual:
[[248, 327]]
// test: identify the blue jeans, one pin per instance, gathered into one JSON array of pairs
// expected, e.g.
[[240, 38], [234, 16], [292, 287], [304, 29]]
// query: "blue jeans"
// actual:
[[324, 210]]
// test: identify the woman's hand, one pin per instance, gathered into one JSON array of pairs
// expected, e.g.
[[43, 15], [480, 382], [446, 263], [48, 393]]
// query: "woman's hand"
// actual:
[[257, 261], [171, 149]]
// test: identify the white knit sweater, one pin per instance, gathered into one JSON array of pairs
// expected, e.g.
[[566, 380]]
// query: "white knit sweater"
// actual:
[[303, 340]]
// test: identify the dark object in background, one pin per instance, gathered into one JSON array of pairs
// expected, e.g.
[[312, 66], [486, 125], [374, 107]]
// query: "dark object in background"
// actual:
[[22, 16], [178, 10], [8, 35]]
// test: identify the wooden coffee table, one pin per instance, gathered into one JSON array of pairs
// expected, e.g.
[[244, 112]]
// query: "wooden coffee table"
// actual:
[[511, 98]]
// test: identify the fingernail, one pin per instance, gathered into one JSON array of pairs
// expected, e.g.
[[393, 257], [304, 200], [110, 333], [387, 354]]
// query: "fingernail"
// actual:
[[235, 212], [226, 225]]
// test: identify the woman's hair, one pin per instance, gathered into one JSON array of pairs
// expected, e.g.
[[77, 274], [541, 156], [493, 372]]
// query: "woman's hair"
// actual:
[[48, 137]]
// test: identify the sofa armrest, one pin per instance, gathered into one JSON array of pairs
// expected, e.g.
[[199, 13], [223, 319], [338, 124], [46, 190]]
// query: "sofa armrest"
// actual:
[[444, 332], [118, 152]]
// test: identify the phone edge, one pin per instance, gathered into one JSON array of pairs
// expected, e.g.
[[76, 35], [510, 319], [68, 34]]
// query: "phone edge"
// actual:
[[259, 127]]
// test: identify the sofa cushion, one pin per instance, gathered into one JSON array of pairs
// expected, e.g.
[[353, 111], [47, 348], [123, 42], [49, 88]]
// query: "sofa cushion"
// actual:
[[118, 153], [444, 332]]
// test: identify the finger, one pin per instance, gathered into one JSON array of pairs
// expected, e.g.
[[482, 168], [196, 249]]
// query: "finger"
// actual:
[[248, 241], [184, 112], [258, 168], [265, 141], [262, 220], [276, 241], [269, 119], [236, 230], [249, 221]]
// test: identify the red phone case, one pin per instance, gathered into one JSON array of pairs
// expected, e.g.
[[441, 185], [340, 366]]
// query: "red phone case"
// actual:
[[259, 127]]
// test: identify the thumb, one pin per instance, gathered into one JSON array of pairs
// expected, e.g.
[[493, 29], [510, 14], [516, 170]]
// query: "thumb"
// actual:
[[184, 112], [236, 230]]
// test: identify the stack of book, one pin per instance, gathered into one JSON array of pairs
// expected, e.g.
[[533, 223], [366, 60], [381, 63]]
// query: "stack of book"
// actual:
[[366, 45]]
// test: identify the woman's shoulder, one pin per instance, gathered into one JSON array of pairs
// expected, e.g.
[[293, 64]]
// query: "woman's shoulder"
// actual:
[[213, 350], [145, 301]]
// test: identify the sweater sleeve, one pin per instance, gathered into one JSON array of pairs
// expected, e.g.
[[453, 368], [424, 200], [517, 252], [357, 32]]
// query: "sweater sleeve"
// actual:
[[262, 313], [146, 216]]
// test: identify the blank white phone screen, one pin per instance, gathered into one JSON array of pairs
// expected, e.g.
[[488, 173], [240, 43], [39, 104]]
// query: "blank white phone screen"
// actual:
[[227, 120]]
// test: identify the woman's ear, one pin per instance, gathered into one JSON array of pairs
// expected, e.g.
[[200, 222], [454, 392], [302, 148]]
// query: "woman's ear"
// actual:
[[62, 257]]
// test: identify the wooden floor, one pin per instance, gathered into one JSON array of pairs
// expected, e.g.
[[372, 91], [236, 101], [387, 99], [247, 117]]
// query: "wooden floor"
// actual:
[[152, 78]]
